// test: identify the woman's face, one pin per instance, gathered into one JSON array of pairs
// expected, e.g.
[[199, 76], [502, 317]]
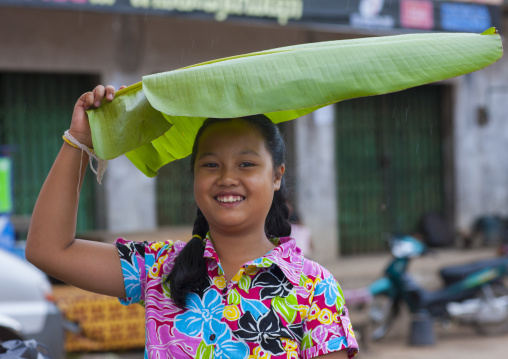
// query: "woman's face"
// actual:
[[234, 178]]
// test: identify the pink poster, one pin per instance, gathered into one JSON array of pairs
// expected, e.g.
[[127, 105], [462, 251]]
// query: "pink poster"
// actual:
[[417, 14]]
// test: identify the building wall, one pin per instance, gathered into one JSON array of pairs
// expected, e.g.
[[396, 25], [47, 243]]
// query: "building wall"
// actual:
[[481, 142], [315, 172]]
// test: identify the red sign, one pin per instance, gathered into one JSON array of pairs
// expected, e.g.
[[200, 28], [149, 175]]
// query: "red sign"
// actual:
[[417, 14]]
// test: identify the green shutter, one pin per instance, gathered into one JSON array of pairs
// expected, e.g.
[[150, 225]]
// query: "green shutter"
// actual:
[[389, 163], [35, 110], [175, 194]]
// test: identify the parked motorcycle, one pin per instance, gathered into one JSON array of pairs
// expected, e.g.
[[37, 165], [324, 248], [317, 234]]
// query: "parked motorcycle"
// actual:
[[473, 294]]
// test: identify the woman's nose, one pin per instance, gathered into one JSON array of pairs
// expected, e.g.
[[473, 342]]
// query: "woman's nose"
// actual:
[[227, 177]]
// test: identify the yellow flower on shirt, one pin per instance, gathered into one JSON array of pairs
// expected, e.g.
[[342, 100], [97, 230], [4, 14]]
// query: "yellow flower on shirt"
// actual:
[[154, 270], [350, 330], [258, 353], [231, 312], [157, 245], [304, 311], [325, 316], [219, 282], [252, 270], [156, 267], [314, 312], [309, 285], [291, 348]]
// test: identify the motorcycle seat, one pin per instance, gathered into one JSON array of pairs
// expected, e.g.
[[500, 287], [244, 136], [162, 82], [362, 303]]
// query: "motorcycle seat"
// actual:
[[455, 274]]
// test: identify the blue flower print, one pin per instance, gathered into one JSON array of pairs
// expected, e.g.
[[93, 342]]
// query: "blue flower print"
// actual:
[[130, 269], [330, 288], [337, 344], [203, 316], [255, 307], [132, 283], [227, 348]]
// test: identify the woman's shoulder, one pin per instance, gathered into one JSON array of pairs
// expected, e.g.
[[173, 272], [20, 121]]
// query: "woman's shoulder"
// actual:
[[326, 290], [315, 270]]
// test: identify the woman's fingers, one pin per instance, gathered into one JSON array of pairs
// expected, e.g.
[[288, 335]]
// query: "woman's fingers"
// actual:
[[110, 92], [86, 100], [100, 92], [95, 97], [98, 95], [80, 128]]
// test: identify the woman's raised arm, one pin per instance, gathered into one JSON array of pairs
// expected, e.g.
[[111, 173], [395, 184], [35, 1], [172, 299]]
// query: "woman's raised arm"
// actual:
[[51, 243]]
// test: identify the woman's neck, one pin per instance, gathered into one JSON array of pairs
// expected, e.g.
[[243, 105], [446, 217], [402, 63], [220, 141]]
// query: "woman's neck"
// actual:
[[235, 250]]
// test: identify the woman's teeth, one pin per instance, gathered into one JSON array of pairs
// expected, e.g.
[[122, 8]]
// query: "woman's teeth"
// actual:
[[230, 199]]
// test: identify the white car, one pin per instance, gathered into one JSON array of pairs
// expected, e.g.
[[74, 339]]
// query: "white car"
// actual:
[[26, 309]]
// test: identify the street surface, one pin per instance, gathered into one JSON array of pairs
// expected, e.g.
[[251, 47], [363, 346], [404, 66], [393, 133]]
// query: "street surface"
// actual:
[[460, 344]]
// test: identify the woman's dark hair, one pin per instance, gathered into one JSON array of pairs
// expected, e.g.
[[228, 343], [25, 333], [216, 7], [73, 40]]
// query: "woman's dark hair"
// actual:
[[189, 273]]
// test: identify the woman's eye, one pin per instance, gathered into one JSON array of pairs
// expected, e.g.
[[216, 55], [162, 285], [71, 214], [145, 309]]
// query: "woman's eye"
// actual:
[[211, 165], [246, 164]]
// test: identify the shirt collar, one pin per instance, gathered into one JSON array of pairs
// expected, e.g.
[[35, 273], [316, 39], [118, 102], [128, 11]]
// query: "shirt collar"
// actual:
[[209, 250], [287, 256]]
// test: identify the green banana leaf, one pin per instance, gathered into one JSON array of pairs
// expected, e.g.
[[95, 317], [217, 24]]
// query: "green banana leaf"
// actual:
[[155, 121]]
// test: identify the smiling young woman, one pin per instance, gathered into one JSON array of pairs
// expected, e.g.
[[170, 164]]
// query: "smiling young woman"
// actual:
[[234, 184], [240, 288]]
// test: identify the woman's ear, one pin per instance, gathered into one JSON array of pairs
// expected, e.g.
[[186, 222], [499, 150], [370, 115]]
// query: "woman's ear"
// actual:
[[279, 172]]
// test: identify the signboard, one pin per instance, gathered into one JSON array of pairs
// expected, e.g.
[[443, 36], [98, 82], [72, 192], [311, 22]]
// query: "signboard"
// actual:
[[5, 185], [464, 17], [453, 15], [458, 16], [280, 10], [490, 2]]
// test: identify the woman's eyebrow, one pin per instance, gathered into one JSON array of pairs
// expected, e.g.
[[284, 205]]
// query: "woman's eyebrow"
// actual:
[[243, 152], [205, 154], [249, 152]]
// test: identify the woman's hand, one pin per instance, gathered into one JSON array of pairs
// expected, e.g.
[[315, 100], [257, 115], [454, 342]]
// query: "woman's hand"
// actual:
[[80, 128]]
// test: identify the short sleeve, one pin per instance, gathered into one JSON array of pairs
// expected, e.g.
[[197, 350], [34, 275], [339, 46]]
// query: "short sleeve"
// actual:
[[145, 265], [327, 327], [132, 258]]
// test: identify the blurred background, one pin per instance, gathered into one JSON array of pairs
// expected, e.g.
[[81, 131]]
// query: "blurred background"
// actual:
[[429, 161]]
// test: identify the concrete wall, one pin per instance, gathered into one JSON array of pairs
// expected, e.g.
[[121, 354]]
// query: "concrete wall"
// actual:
[[316, 183], [481, 143]]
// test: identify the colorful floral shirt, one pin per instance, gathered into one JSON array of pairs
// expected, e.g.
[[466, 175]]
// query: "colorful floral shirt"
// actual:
[[281, 305]]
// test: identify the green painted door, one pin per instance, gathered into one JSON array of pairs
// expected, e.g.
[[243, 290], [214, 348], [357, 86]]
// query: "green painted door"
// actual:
[[175, 194], [389, 163], [35, 110]]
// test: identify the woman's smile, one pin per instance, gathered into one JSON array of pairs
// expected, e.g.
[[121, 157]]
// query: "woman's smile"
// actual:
[[229, 198]]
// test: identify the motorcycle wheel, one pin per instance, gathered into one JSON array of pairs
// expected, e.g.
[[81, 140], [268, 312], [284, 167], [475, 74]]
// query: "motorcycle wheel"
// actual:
[[383, 311], [493, 293]]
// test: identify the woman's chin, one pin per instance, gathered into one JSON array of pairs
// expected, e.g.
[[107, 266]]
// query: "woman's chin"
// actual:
[[228, 224]]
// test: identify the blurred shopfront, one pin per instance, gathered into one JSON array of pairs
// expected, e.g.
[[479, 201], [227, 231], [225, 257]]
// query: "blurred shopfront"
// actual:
[[53, 50]]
